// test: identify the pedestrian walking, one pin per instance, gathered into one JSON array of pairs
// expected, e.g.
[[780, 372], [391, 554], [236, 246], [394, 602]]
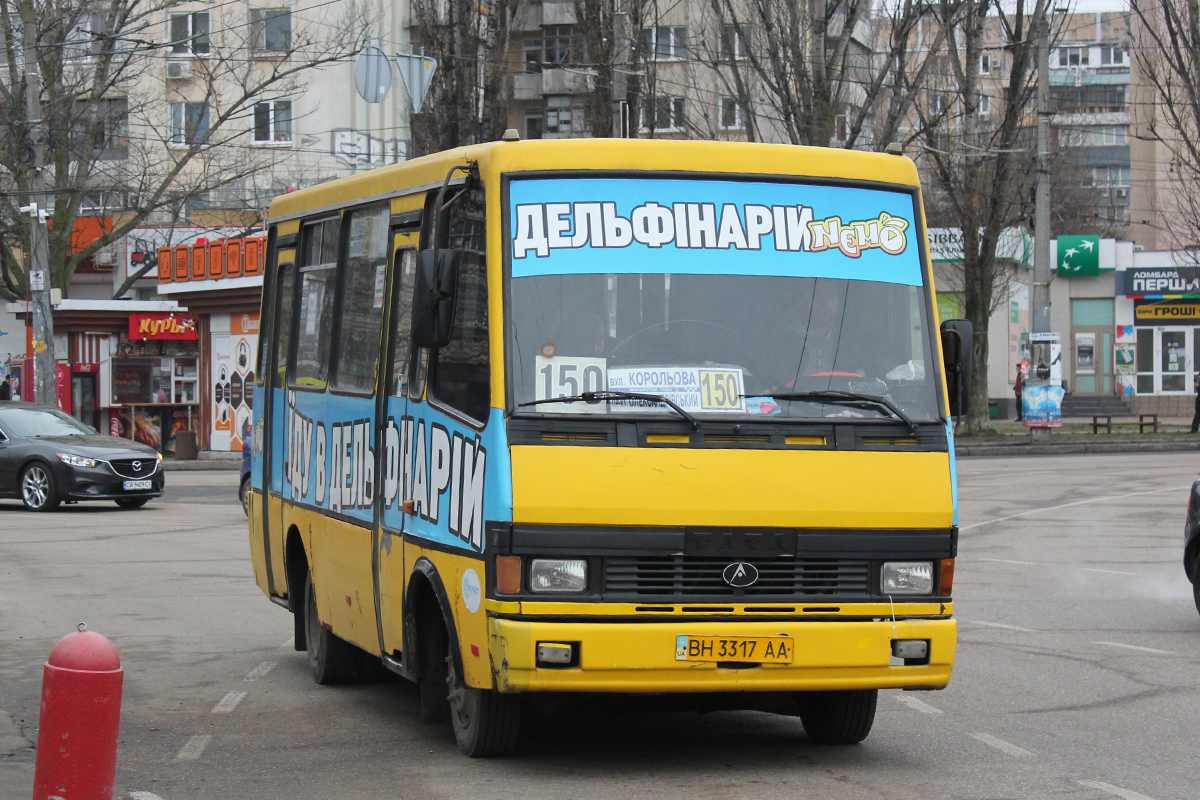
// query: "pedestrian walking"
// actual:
[[1017, 386], [5, 390]]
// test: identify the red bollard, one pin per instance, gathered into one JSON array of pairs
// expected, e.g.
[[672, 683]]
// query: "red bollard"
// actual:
[[81, 713]]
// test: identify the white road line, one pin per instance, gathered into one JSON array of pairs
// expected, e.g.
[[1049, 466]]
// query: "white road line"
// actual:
[[1069, 505], [228, 703], [194, 746], [1006, 560], [1000, 625], [918, 705], [1138, 647], [1002, 745], [1106, 571], [261, 670], [142, 796], [1126, 794], [288, 644]]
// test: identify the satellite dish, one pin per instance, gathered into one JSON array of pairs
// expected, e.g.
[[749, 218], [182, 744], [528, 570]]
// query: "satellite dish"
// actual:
[[372, 75]]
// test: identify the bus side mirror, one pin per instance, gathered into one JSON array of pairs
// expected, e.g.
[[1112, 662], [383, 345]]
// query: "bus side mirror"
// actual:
[[435, 292], [957, 347]]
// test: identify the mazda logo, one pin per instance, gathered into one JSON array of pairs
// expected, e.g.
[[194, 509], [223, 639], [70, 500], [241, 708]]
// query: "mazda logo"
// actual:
[[137, 465], [740, 574]]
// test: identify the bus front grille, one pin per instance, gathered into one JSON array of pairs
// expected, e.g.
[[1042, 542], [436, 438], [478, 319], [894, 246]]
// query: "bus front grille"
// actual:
[[695, 576]]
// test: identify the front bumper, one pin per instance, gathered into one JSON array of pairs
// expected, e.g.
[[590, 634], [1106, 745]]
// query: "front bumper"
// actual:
[[640, 656], [102, 483]]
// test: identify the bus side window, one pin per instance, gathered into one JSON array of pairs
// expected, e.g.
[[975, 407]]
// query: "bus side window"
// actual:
[[318, 271], [405, 263], [363, 281], [285, 293], [267, 312], [461, 375]]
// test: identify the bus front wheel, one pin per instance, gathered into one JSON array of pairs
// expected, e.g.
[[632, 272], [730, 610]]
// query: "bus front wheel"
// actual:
[[842, 717], [486, 723], [331, 659]]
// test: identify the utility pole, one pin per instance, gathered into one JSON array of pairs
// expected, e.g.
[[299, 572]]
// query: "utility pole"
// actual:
[[39, 278], [1041, 232]]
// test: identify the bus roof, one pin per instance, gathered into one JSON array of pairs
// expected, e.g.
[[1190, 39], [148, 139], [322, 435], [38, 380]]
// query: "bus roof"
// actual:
[[633, 155]]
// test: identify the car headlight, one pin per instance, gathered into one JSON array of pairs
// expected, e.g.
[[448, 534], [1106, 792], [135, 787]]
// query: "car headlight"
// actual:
[[77, 461], [558, 575], [907, 577]]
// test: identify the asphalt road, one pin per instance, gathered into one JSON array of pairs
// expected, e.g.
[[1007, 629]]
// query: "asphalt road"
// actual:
[[1076, 674]]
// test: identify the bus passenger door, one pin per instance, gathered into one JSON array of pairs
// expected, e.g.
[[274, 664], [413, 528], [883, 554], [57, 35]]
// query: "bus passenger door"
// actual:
[[395, 427], [274, 444]]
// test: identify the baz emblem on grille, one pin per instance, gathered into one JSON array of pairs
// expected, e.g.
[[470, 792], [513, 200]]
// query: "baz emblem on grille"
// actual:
[[740, 574]]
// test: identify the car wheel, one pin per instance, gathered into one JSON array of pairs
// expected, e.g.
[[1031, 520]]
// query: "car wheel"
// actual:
[[1196, 581], [38, 491], [133, 502], [244, 495], [841, 717]]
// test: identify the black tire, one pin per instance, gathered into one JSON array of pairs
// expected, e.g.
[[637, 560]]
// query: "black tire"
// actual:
[[486, 723], [1196, 581], [39, 492], [133, 502], [434, 680], [843, 717], [244, 495], [330, 659]]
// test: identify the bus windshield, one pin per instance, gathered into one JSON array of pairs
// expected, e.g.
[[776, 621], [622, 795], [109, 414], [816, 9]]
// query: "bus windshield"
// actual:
[[817, 305]]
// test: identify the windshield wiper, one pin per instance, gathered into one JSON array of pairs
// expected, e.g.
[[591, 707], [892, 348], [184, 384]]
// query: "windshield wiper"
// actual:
[[851, 399], [595, 397]]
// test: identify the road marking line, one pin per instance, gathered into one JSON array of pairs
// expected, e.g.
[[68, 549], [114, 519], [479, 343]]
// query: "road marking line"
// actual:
[[228, 703], [1002, 745], [1126, 794], [1008, 561], [288, 644], [918, 705], [1000, 625], [1106, 571], [143, 796], [1069, 505], [1156, 651], [261, 670], [194, 746]]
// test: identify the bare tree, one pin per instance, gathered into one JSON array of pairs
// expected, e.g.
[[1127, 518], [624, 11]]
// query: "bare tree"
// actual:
[[469, 99], [1166, 53], [107, 148]]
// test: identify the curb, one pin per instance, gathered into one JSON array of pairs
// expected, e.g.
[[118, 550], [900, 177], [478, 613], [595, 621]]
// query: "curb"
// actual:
[[1073, 449], [227, 465]]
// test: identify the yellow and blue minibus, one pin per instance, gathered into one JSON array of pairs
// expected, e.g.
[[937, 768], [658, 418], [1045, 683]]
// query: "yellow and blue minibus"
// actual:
[[612, 416]]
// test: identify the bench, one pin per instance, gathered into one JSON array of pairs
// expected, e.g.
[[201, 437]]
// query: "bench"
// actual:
[[1143, 421]]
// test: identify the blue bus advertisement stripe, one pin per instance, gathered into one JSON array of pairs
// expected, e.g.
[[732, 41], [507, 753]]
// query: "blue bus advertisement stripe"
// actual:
[[569, 226]]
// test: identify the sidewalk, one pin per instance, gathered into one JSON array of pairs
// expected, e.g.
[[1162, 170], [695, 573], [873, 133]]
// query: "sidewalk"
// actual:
[[207, 460], [1010, 438]]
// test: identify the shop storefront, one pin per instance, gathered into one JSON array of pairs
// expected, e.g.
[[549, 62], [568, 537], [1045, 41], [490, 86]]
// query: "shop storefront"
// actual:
[[1158, 332]]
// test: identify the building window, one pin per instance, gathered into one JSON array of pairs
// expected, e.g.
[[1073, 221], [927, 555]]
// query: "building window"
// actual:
[[732, 116], [841, 130], [937, 104], [559, 45], [1113, 56], [564, 115], [1094, 136], [189, 34], [985, 105], [273, 122], [270, 30], [985, 64], [664, 43], [1072, 56], [189, 123], [1110, 177], [735, 43], [663, 113], [534, 124]]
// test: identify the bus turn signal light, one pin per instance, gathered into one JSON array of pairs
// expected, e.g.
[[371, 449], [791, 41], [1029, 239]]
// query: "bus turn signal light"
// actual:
[[946, 583], [508, 574]]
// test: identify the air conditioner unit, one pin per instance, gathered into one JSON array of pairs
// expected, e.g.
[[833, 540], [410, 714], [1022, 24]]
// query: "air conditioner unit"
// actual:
[[179, 70]]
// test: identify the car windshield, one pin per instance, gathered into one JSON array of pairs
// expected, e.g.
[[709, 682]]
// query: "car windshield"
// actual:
[[41, 422], [729, 330]]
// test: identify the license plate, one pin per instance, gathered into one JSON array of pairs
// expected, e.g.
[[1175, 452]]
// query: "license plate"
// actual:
[[131, 486], [756, 649]]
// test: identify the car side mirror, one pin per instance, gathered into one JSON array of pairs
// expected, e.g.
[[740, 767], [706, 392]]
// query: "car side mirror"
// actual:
[[957, 349], [435, 294]]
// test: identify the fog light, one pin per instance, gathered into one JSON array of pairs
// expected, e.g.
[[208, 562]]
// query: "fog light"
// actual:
[[910, 648], [558, 575], [554, 655], [906, 577]]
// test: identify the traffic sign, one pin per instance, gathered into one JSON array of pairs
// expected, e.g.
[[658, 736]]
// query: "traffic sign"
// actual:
[[372, 75], [417, 73]]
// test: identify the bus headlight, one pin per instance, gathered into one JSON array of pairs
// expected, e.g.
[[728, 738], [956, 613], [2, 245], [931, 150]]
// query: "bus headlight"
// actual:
[[906, 577], [562, 575]]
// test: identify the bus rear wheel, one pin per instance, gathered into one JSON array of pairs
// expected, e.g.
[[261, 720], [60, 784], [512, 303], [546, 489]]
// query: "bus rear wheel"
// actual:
[[330, 659], [843, 717], [486, 723]]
